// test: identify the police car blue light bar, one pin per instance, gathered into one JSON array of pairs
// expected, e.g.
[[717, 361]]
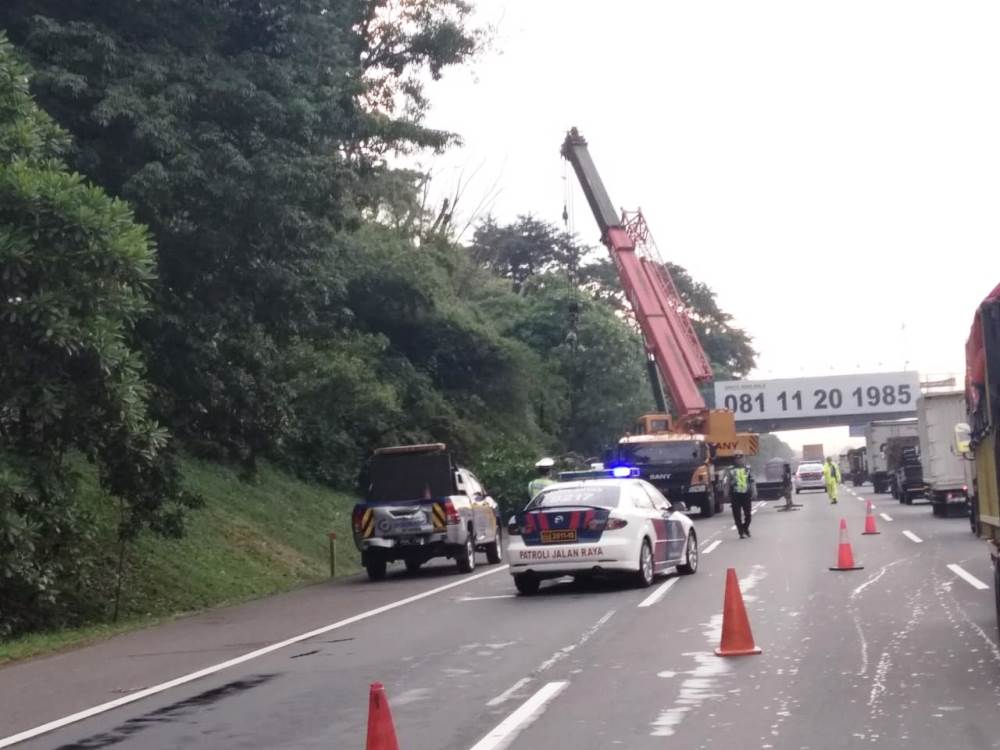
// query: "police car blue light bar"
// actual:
[[618, 472]]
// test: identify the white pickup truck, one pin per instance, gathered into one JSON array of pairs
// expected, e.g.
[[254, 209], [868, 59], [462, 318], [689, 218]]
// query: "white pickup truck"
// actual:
[[420, 505]]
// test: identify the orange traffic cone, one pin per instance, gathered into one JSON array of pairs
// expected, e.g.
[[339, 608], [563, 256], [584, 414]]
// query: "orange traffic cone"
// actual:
[[870, 522], [845, 557], [737, 640], [381, 732]]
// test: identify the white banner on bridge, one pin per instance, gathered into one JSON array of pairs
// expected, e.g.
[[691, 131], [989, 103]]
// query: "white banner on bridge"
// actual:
[[833, 396]]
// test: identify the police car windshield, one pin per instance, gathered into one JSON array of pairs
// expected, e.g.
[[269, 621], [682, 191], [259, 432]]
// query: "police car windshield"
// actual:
[[667, 452], [601, 495]]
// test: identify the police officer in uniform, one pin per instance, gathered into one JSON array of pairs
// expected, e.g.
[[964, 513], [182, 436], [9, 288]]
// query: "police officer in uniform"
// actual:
[[740, 483], [543, 470]]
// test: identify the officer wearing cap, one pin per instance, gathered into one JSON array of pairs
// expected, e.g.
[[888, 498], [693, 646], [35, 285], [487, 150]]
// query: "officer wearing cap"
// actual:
[[543, 469], [740, 482]]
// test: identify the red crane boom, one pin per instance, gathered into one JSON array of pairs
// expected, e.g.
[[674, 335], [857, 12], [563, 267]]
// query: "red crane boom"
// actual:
[[670, 339]]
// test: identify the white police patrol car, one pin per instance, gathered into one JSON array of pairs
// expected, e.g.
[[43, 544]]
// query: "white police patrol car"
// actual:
[[599, 523]]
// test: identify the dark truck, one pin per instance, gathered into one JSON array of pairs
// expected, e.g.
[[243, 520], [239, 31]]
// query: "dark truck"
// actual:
[[776, 481], [678, 465], [902, 460], [420, 505], [858, 460]]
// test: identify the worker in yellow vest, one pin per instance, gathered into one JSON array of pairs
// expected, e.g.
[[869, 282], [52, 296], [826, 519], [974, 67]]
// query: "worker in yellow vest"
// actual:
[[741, 488], [831, 475]]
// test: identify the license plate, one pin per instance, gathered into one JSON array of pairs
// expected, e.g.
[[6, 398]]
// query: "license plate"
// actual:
[[411, 540], [554, 537]]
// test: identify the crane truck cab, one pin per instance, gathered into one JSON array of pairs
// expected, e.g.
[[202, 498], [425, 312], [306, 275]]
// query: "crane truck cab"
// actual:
[[678, 465]]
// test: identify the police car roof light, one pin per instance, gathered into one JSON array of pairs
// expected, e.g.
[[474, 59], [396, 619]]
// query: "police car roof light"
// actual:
[[618, 472]]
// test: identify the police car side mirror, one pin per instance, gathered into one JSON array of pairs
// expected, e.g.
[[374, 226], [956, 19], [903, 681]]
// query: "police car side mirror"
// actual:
[[679, 507], [513, 529]]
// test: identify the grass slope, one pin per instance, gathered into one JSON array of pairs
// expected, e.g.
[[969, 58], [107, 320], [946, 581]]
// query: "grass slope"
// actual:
[[250, 540]]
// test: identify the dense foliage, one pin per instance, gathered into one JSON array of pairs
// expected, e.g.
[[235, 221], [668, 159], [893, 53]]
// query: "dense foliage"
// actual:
[[76, 271], [294, 310]]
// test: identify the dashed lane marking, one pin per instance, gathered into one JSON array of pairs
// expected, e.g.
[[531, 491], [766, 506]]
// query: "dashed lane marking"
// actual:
[[886, 516], [506, 694], [531, 709], [660, 592], [712, 547], [967, 577], [912, 537]]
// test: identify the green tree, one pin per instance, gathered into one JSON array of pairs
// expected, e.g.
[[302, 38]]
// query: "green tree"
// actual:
[[251, 138], [729, 349], [525, 248], [75, 271]]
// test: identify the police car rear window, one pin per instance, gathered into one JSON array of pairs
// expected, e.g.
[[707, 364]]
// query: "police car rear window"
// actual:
[[602, 496]]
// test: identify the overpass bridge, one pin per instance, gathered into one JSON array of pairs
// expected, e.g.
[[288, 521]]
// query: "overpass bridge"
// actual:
[[832, 401]]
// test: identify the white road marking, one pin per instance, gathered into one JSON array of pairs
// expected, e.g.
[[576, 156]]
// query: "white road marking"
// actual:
[[484, 598], [191, 677], [712, 547], [912, 537], [967, 577], [531, 709], [567, 650], [660, 592], [506, 694], [886, 516]]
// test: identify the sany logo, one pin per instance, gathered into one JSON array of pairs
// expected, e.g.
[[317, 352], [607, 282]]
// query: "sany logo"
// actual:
[[728, 446]]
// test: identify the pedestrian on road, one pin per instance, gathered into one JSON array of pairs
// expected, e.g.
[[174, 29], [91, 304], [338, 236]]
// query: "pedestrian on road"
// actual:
[[741, 488], [786, 484], [543, 470], [831, 475]]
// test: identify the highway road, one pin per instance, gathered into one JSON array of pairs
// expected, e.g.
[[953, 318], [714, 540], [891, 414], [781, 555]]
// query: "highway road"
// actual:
[[901, 653]]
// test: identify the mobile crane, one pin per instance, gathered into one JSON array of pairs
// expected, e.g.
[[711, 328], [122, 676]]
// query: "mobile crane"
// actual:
[[678, 453]]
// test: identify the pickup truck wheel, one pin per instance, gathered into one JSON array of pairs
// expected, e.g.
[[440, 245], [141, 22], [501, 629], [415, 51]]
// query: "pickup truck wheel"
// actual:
[[690, 565], [527, 584], [376, 568], [644, 575], [494, 552], [466, 559], [412, 566]]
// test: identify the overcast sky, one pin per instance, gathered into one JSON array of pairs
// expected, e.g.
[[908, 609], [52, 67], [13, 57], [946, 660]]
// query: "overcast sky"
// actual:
[[831, 170]]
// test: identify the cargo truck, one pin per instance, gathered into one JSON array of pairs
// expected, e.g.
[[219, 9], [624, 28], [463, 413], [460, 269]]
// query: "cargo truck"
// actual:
[[946, 474], [813, 453], [979, 438], [877, 435], [906, 475], [858, 458]]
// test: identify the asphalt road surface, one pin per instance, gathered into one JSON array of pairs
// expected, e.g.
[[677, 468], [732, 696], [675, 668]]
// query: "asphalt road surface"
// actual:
[[901, 653]]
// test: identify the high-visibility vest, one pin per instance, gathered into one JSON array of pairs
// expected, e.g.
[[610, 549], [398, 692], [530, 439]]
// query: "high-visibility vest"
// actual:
[[537, 485], [741, 480]]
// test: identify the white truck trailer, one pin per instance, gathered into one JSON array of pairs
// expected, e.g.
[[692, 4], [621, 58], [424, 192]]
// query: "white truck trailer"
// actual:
[[948, 476]]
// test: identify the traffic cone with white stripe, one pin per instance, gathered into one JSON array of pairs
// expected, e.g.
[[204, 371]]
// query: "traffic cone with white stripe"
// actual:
[[737, 640], [870, 522], [845, 556], [381, 731]]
